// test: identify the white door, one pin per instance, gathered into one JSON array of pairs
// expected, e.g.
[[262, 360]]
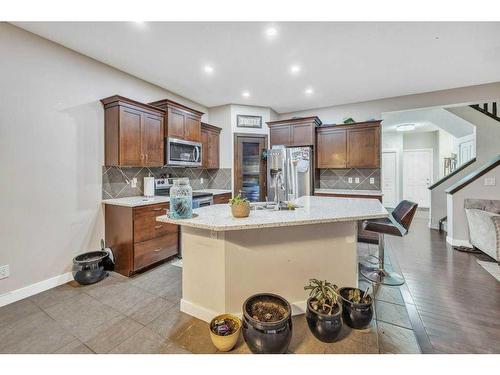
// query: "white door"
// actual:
[[417, 176], [389, 179], [466, 150]]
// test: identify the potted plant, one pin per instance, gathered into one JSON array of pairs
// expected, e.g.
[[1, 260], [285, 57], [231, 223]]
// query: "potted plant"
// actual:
[[357, 307], [267, 323], [240, 207], [323, 312], [224, 331]]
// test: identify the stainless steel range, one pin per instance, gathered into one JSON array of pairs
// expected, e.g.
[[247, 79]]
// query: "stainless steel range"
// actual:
[[200, 199]]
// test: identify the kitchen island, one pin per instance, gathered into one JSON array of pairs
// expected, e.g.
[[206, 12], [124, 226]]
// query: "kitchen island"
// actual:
[[225, 260]]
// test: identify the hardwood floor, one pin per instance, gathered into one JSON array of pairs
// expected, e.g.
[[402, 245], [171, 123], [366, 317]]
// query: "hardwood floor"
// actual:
[[457, 300]]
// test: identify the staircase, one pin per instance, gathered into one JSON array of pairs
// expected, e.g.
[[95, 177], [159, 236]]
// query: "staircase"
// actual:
[[489, 109]]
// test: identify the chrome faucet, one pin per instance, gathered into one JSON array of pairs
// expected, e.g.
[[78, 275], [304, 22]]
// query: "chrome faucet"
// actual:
[[278, 183]]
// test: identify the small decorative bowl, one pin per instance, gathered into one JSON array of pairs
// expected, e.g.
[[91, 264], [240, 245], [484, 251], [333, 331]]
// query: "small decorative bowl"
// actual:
[[225, 343]]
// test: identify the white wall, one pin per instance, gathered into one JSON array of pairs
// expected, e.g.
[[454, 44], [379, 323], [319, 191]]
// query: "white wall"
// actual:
[[446, 148], [394, 141], [487, 147], [52, 151], [374, 109], [458, 229]]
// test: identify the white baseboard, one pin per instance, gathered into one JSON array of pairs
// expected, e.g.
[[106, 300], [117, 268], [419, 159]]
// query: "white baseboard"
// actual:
[[207, 314], [454, 242], [33, 289]]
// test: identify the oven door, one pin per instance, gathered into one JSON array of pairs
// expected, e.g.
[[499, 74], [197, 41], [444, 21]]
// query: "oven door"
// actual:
[[202, 202], [181, 152]]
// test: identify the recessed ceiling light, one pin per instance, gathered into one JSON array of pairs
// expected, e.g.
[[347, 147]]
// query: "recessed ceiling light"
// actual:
[[294, 69], [208, 69], [271, 32], [245, 94], [405, 127], [309, 91]]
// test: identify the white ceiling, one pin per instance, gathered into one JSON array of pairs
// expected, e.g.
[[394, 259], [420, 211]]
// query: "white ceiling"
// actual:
[[342, 62], [426, 120]]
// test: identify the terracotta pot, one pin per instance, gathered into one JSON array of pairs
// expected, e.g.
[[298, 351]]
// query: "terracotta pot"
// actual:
[[225, 343], [241, 209]]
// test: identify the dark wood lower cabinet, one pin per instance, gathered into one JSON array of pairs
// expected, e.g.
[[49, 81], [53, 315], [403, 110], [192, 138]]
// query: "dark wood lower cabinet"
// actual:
[[137, 239], [363, 235], [222, 198]]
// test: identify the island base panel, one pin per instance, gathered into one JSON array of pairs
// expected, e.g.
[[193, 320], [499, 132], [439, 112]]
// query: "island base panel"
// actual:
[[222, 269]]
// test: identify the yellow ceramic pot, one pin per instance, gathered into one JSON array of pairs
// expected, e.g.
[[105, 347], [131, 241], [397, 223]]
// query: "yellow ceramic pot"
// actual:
[[225, 343], [241, 209]]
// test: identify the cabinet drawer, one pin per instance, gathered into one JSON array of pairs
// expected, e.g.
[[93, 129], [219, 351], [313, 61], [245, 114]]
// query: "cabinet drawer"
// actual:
[[155, 250], [222, 198], [145, 225]]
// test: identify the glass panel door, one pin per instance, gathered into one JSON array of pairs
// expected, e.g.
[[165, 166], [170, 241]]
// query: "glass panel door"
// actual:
[[250, 168]]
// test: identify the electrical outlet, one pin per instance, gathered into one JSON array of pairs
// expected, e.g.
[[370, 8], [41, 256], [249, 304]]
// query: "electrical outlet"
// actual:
[[133, 182], [201, 180], [372, 180], [356, 180], [4, 271], [349, 180], [489, 181]]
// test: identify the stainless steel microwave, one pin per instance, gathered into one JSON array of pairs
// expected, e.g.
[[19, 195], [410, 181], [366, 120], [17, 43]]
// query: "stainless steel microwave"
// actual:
[[182, 153]]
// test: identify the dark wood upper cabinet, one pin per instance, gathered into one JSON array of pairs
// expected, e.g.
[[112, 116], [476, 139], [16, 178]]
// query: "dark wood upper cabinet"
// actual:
[[363, 147], [349, 146], [181, 122], [210, 146], [294, 132], [331, 148], [280, 135], [133, 133]]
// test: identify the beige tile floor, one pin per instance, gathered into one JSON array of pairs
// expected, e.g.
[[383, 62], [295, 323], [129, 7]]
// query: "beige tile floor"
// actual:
[[141, 315]]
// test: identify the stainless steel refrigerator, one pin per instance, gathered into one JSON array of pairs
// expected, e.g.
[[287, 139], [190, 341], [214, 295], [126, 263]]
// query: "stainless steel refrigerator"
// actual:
[[294, 169]]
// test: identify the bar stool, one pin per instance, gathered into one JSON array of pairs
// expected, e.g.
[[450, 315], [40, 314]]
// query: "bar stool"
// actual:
[[397, 224]]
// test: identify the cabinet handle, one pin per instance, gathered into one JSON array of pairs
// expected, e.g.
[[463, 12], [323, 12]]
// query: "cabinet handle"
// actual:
[[157, 250], [158, 226], [147, 157], [158, 209]]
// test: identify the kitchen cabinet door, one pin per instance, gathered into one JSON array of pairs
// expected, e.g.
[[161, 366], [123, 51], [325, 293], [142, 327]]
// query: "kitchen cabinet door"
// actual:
[[192, 128], [302, 135], [204, 148], [152, 140], [280, 135], [213, 150], [332, 149], [130, 137], [363, 148], [175, 127]]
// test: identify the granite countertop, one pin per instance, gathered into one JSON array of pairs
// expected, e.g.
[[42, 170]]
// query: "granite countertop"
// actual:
[[349, 192], [213, 191], [136, 201], [144, 201], [314, 210]]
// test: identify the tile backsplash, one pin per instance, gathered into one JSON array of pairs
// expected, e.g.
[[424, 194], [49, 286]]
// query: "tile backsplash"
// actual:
[[339, 179], [116, 180]]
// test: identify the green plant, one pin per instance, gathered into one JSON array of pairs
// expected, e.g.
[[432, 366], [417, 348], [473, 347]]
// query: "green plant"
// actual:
[[238, 200], [356, 297], [323, 295]]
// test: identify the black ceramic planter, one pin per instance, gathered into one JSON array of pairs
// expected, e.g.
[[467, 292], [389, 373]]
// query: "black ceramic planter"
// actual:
[[324, 327], [356, 315], [90, 268], [267, 337]]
